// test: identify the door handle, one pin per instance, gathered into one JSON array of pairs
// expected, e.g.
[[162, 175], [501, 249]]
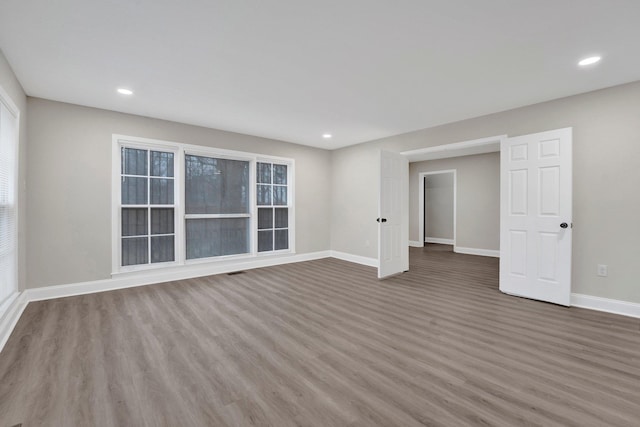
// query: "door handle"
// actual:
[[564, 225], [381, 219]]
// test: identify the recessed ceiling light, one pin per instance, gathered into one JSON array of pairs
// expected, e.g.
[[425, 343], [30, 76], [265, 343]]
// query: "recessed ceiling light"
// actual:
[[590, 60], [124, 91], [327, 135]]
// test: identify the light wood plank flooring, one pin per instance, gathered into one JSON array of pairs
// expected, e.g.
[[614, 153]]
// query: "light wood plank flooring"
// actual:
[[321, 343]]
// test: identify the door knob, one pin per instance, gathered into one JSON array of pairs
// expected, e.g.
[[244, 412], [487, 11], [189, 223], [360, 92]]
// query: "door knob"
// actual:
[[564, 225], [381, 219]]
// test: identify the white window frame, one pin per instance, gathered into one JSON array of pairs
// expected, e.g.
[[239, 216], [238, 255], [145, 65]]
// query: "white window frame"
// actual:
[[180, 150], [290, 205], [226, 155], [13, 109], [116, 192]]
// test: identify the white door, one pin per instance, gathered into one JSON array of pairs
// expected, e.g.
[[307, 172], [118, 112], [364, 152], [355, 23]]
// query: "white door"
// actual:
[[535, 217], [393, 218]]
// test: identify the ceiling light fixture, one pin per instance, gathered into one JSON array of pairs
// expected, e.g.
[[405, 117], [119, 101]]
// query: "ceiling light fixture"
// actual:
[[124, 91], [327, 135], [590, 60]]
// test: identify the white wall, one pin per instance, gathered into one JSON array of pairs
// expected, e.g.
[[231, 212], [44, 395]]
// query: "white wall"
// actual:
[[12, 86], [438, 206], [69, 157], [606, 200], [478, 196]]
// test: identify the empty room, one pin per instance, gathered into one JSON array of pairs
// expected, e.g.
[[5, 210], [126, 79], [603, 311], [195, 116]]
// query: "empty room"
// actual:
[[286, 213]]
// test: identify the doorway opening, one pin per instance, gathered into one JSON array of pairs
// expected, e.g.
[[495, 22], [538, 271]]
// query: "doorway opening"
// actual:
[[437, 207]]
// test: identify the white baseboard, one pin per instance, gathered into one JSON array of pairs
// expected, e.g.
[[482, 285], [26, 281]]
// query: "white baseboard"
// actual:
[[13, 308], [415, 244], [11, 311], [371, 262], [129, 280], [614, 306], [439, 241], [476, 251]]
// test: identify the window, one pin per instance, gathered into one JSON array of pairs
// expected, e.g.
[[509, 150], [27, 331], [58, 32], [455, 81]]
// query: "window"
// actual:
[[148, 206], [273, 211], [176, 204], [216, 206], [9, 119]]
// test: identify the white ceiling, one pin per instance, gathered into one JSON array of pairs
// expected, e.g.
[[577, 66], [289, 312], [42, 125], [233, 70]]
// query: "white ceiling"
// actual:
[[295, 69]]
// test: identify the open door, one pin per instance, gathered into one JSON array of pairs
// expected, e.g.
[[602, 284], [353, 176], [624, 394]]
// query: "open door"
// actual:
[[536, 215], [393, 218]]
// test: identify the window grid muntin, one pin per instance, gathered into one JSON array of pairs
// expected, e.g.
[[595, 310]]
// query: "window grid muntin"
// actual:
[[148, 206], [180, 150], [262, 183]]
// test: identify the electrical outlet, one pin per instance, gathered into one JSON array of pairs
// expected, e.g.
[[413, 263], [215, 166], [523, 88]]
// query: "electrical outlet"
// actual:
[[603, 270]]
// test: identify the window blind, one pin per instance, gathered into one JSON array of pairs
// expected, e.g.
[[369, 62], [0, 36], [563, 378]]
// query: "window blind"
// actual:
[[8, 198]]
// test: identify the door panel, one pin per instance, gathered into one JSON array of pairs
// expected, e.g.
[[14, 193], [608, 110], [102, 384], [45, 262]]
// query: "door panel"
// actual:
[[393, 218], [535, 251]]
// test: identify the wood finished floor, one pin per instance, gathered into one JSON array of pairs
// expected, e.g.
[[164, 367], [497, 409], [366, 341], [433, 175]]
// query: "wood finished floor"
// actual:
[[321, 343]]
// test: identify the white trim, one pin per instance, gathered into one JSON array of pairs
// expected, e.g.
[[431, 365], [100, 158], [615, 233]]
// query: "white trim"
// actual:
[[439, 241], [371, 262], [476, 251], [415, 244], [465, 148], [8, 101], [11, 311], [15, 305], [421, 203], [143, 278], [13, 109], [608, 305]]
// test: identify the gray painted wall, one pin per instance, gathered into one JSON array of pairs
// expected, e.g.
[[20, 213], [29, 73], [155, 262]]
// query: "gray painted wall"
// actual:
[[478, 210], [69, 176], [606, 201], [438, 201], [12, 86]]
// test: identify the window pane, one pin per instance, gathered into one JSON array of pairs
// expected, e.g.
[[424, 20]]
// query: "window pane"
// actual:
[[282, 218], [217, 237], [264, 195], [162, 249], [134, 162], [265, 218], [134, 222], [264, 173], [135, 250], [161, 191], [134, 191], [216, 186], [279, 174], [265, 241], [279, 195], [162, 221], [161, 163], [282, 239]]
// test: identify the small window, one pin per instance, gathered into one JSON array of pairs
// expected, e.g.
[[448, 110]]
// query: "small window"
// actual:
[[273, 206], [147, 206]]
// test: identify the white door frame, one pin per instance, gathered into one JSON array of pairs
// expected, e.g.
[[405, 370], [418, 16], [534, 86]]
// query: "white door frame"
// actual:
[[489, 144], [421, 202]]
